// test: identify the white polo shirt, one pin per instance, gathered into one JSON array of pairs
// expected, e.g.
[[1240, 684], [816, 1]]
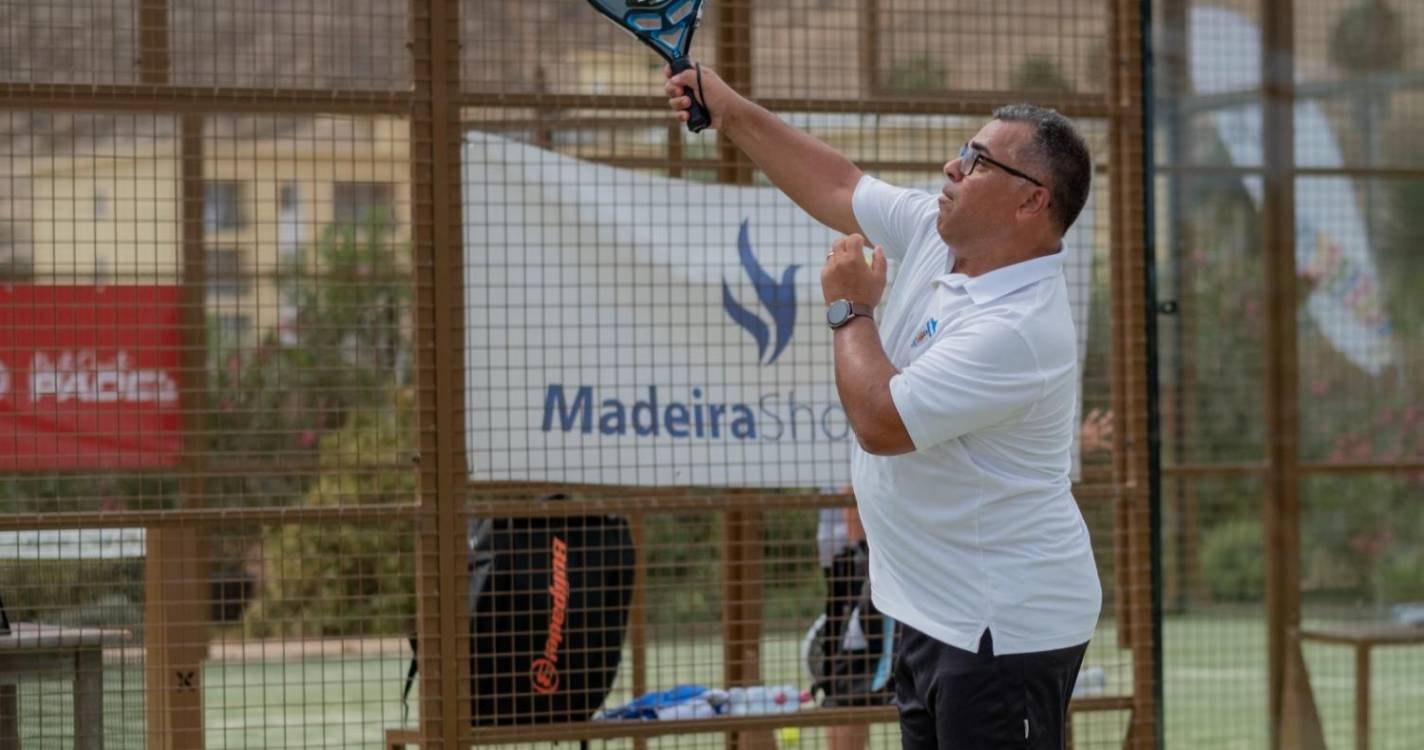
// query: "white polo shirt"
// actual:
[[977, 527]]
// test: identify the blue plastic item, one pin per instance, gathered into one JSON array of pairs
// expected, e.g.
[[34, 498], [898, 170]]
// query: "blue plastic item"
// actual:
[[682, 701]]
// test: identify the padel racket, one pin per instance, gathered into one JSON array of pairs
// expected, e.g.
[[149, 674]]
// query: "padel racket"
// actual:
[[667, 27]]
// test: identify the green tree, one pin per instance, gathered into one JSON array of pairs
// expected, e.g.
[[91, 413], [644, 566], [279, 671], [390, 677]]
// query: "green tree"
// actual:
[[349, 579], [345, 354], [1368, 38], [1225, 296], [338, 365], [920, 72], [1040, 74], [1401, 262], [1231, 561]]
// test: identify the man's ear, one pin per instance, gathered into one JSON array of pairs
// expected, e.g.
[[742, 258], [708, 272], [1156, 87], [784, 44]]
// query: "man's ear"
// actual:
[[1035, 203]]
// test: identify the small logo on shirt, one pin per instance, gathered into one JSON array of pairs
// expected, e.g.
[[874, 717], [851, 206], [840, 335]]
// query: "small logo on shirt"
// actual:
[[926, 333]]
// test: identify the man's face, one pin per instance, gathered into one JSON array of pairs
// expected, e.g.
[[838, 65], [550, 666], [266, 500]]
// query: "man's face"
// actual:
[[984, 204]]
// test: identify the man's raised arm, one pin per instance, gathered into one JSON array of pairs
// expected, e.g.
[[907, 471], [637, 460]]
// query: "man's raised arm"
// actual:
[[810, 173]]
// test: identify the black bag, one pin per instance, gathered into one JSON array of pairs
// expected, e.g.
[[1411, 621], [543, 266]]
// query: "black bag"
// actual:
[[549, 601], [848, 650]]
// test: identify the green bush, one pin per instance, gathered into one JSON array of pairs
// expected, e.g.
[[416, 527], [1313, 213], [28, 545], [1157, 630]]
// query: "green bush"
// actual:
[[794, 589], [917, 73], [1040, 74], [348, 353], [683, 554], [352, 579], [1401, 264], [89, 593], [1232, 559], [1400, 577], [1368, 38]]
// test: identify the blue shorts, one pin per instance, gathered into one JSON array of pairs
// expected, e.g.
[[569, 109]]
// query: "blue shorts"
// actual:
[[952, 699]]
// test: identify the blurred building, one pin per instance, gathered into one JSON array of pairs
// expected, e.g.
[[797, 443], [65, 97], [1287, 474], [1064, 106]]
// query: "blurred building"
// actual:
[[113, 214]]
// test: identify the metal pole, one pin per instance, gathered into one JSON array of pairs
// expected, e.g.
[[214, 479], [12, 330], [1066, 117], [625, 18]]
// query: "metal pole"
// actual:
[[1154, 424], [1132, 263], [1282, 510], [176, 568], [869, 48], [442, 619], [1177, 410], [734, 63], [741, 529]]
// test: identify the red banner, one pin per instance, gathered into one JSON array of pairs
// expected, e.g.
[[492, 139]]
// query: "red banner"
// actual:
[[89, 377]]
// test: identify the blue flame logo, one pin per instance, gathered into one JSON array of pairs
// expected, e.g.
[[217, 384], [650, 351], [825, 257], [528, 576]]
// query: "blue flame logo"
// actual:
[[778, 299]]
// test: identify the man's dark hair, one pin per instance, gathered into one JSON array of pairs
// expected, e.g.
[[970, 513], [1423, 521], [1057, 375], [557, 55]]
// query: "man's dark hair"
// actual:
[[1058, 146]]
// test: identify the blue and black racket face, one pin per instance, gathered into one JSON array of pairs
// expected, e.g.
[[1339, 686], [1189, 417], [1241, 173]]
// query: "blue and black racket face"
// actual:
[[664, 25]]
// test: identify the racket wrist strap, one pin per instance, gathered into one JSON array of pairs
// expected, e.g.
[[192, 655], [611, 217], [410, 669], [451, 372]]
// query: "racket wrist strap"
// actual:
[[699, 115], [697, 92]]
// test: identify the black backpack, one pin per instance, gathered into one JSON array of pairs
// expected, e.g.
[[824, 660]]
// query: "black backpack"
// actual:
[[858, 675], [549, 601]]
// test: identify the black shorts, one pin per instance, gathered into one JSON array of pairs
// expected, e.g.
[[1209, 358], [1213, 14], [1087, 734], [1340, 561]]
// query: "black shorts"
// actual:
[[950, 698]]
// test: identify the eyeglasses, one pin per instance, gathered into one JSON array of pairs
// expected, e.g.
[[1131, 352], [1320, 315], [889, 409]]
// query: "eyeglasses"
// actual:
[[970, 157]]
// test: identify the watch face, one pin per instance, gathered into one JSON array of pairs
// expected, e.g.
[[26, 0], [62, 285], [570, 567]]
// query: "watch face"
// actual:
[[838, 313]]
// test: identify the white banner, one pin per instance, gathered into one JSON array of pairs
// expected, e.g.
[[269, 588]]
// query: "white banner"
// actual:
[[624, 328], [1332, 246]]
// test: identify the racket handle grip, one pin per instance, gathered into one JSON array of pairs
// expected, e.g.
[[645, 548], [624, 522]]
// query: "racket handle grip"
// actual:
[[698, 118]]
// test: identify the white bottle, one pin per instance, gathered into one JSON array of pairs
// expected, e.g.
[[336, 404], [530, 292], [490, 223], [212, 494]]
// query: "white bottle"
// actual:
[[760, 700], [1091, 681]]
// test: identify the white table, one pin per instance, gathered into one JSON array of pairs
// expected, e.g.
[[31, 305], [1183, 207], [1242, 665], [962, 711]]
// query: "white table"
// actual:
[[1362, 638], [32, 648]]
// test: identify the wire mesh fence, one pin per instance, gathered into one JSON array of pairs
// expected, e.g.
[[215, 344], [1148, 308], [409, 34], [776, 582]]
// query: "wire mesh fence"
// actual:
[[385, 372], [234, 480], [613, 262], [1294, 419]]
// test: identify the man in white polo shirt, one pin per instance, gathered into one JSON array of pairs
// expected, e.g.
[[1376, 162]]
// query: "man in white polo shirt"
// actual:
[[962, 401]]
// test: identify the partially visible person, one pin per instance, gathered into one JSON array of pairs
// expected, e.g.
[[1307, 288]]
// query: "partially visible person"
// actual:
[[849, 646], [1096, 432]]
